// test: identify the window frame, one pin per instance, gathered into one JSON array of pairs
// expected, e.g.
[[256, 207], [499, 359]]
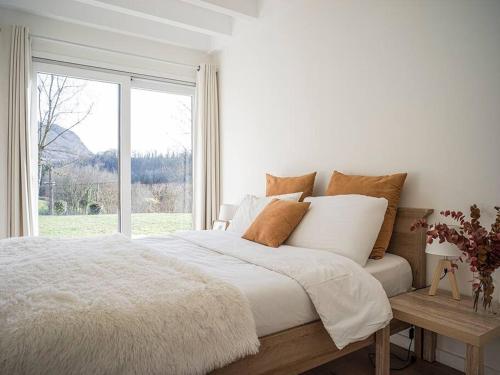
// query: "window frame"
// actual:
[[125, 82]]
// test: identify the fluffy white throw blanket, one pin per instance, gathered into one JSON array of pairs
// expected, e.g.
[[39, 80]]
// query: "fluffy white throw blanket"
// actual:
[[109, 306]]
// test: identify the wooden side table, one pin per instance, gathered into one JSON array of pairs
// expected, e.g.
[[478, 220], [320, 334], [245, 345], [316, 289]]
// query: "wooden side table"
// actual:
[[443, 315]]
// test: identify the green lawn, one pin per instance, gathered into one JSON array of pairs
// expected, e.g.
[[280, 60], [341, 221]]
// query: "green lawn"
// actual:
[[91, 225]]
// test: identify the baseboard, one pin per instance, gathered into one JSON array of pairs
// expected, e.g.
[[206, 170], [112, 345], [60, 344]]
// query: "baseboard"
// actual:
[[449, 358]]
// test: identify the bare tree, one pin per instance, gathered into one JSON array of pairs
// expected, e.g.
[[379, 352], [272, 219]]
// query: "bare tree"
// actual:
[[184, 122], [57, 98]]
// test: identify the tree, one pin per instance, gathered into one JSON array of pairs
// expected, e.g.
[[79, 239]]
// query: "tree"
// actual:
[[183, 117], [58, 98]]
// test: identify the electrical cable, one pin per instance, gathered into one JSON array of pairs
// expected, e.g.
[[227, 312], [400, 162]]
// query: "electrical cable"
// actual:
[[409, 360], [445, 272]]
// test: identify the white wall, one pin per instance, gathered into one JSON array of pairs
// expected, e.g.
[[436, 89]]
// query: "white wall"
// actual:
[[368, 87]]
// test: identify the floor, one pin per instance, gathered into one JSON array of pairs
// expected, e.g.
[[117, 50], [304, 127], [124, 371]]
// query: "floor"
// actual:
[[358, 363]]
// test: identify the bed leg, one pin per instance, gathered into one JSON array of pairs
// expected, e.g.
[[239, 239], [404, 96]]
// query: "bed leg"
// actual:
[[382, 351]]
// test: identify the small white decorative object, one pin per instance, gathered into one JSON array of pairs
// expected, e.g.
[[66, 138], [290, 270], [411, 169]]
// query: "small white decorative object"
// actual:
[[220, 225], [445, 250], [227, 212]]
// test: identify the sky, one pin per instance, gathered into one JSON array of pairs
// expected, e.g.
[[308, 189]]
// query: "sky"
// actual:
[[160, 122]]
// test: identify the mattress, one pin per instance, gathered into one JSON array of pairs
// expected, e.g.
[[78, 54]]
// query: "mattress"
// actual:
[[277, 301], [393, 272]]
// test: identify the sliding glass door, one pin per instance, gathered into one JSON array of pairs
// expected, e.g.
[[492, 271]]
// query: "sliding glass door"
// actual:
[[161, 159], [110, 155]]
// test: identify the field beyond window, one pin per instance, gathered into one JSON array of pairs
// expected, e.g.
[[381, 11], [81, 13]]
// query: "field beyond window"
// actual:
[[86, 225]]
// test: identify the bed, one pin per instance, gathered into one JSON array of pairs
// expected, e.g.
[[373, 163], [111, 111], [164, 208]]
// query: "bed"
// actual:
[[283, 304], [298, 349]]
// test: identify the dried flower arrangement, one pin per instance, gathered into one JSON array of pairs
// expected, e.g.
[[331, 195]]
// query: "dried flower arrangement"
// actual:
[[480, 247]]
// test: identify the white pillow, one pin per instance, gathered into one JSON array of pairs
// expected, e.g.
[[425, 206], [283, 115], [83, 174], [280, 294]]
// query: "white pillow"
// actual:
[[251, 206], [343, 224]]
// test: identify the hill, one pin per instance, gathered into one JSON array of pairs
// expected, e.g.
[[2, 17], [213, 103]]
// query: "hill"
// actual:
[[68, 147]]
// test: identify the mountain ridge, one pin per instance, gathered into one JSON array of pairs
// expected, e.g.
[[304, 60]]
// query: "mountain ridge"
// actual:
[[66, 148]]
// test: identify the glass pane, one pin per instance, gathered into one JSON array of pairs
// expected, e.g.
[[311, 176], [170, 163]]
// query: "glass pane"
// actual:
[[77, 156], [161, 162]]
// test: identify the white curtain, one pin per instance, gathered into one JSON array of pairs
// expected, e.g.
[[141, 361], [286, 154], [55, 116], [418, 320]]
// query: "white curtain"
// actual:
[[206, 149], [19, 191]]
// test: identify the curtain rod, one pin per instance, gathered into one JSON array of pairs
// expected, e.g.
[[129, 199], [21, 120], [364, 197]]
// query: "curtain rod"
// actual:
[[116, 71]]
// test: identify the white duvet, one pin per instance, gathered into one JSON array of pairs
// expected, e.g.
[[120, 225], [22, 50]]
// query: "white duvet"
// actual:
[[351, 303]]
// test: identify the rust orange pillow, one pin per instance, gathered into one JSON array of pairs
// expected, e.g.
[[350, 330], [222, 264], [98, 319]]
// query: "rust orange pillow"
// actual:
[[388, 187], [276, 222], [286, 185]]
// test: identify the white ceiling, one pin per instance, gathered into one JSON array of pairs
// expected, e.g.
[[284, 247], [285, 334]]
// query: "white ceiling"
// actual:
[[196, 24]]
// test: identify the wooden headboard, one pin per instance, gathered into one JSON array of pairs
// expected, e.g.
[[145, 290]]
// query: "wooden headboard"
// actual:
[[411, 245]]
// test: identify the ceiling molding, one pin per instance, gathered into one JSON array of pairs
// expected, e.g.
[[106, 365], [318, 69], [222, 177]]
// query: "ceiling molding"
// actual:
[[247, 9], [83, 14], [75, 34], [195, 24], [171, 12]]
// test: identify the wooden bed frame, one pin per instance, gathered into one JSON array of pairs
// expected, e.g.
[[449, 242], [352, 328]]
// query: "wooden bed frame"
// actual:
[[302, 348]]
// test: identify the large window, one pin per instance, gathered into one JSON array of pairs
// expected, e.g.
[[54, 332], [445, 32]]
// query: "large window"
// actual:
[[114, 153]]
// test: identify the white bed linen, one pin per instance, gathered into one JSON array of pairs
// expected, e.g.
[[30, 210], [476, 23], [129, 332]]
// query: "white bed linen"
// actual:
[[393, 272], [277, 301], [332, 224]]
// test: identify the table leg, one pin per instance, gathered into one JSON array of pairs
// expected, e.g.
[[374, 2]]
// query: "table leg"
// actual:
[[474, 360], [419, 342], [429, 346], [382, 351]]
